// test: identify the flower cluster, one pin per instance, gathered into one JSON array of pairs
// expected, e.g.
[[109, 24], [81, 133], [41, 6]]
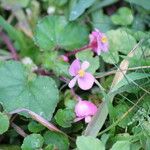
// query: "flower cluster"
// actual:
[[84, 109]]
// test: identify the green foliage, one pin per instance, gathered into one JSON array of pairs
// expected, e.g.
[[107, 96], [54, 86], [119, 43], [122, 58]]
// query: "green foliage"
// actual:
[[88, 56], [54, 62], [88, 143], [54, 31], [119, 41], [122, 17], [64, 117], [121, 145], [144, 3], [79, 7], [9, 4], [4, 123], [33, 141], [25, 90], [35, 127], [59, 140]]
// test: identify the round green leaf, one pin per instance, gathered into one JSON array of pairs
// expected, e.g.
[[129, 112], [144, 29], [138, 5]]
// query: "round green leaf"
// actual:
[[64, 117], [55, 31], [4, 123], [21, 89], [122, 17], [121, 145], [59, 140], [89, 143], [32, 142], [35, 127]]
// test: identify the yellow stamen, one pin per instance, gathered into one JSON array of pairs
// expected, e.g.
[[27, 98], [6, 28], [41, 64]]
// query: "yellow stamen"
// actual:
[[104, 39], [81, 73]]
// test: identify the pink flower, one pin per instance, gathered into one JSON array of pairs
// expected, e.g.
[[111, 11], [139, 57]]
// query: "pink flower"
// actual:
[[85, 80], [98, 42], [85, 110]]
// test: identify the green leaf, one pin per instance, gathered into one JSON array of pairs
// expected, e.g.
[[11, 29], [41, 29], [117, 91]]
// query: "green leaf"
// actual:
[[64, 117], [130, 78], [53, 61], [4, 123], [32, 142], [120, 109], [25, 90], [121, 145], [35, 127], [144, 3], [122, 17], [101, 21], [14, 34], [49, 147], [79, 8], [9, 4], [59, 140], [88, 56], [89, 143], [54, 31], [119, 41]]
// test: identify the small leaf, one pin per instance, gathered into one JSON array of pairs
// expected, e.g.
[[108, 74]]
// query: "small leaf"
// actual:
[[121, 145], [4, 123], [35, 127], [64, 117], [33, 141], [122, 17], [144, 3], [89, 143], [88, 56], [79, 8], [25, 90], [54, 31], [59, 140]]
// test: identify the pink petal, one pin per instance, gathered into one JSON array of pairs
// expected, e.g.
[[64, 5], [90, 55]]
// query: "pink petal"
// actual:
[[85, 65], [73, 82], [86, 82], [78, 119], [74, 67], [88, 119]]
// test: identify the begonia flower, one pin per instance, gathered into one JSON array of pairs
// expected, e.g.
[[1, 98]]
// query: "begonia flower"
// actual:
[[78, 71], [98, 42], [85, 110]]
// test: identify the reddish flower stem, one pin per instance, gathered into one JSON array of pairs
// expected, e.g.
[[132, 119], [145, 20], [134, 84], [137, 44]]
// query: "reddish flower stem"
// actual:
[[9, 45], [77, 50]]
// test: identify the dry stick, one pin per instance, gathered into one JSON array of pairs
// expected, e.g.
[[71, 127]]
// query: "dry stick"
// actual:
[[19, 130], [9, 45], [38, 118], [115, 71]]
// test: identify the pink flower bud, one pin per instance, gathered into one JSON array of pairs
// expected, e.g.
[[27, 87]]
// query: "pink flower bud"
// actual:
[[64, 58], [85, 110]]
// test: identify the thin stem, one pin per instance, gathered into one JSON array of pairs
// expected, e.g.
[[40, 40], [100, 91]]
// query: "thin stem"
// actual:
[[19, 130], [115, 71], [9, 45], [38, 118], [77, 50]]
